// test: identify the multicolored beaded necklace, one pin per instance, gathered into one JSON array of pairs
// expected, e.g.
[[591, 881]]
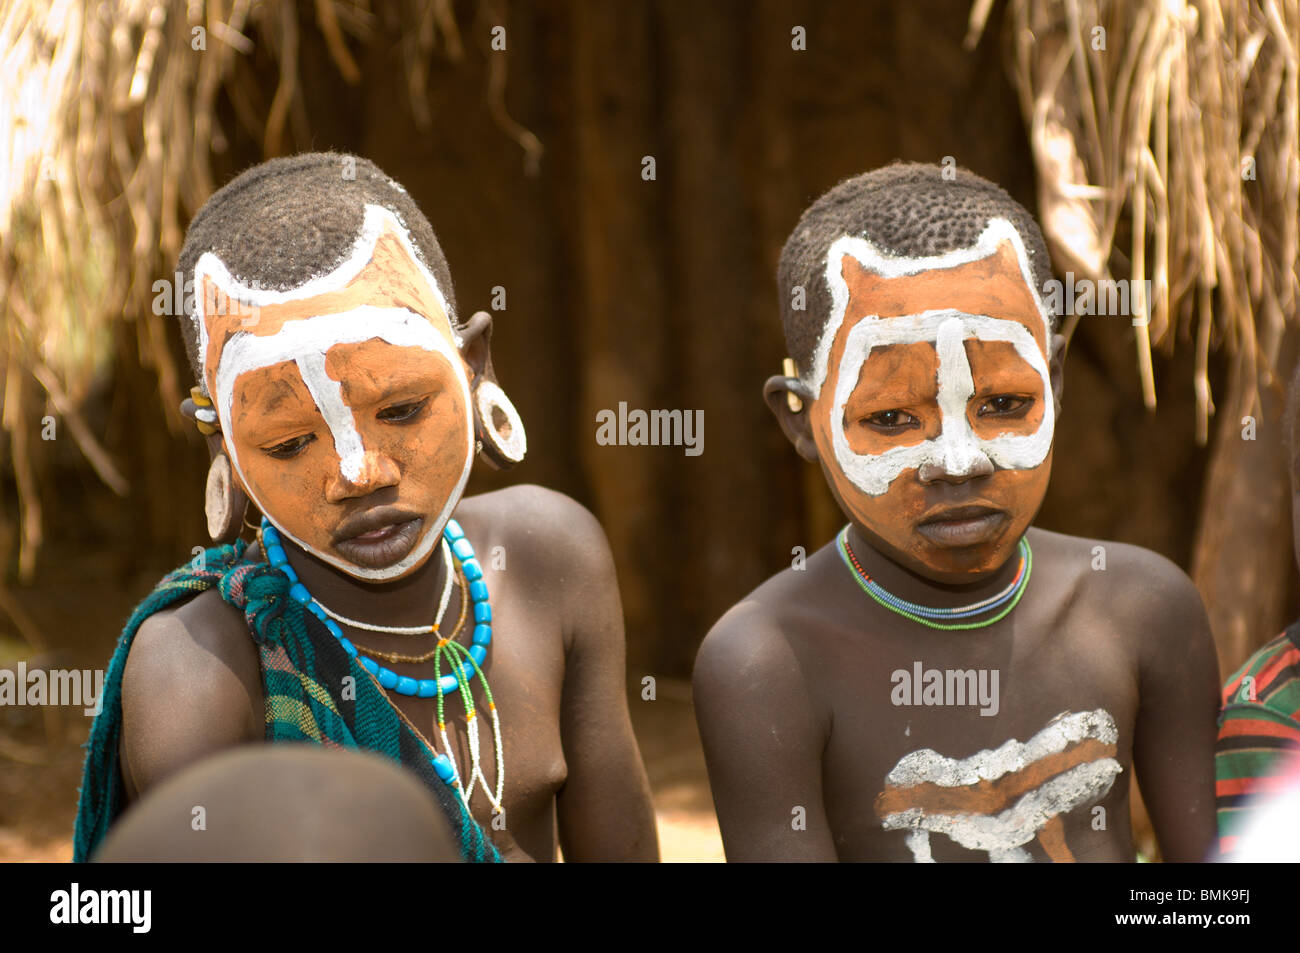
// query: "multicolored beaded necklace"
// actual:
[[463, 663], [926, 615]]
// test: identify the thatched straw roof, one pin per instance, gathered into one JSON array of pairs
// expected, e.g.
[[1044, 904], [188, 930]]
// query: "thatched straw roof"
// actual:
[[109, 123], [1165, 136]]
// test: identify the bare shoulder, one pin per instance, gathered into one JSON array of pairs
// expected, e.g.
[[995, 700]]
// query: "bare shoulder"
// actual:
[[744, 647], [553, 556], [1149, 593], [757, 698], [761, 639], [549, 530], [192, 685], [1116, 569]]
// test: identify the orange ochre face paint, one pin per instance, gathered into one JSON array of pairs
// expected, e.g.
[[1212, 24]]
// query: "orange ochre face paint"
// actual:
[[933, 392], [343, 395]]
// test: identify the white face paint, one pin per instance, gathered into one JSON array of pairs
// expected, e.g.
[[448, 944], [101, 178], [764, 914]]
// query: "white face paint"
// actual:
[[307, 342], [957, 449], [1004, 834]]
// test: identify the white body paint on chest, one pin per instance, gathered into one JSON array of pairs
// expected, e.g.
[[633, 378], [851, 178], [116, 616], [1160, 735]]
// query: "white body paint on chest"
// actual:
[[1003, 835], [957, 449]]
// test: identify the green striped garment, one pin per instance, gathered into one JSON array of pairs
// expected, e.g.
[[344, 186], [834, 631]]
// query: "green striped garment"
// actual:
[[1259, 726], [303, 672]]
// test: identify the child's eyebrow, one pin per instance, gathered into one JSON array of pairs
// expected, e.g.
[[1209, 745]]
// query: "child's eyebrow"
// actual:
[[270, 416]]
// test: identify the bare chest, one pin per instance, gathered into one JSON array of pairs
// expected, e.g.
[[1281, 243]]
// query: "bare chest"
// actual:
[[1012, 747]]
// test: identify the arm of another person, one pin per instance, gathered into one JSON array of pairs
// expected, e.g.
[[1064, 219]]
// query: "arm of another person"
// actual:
[[604, 810], [190, 688], [1255, 740], [763, 742], [1173, 747]]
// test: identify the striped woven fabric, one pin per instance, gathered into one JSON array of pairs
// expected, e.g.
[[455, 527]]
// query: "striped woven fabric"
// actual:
[[304, 675], [1259, 727]]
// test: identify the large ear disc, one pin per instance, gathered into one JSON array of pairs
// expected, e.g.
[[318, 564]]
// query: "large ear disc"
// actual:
[[498, 426], [223, 502]]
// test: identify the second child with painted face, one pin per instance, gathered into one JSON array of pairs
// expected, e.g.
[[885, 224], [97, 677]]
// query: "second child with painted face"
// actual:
[[943, 681]]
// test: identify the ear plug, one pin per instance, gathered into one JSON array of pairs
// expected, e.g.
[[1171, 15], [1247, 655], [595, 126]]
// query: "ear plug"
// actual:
[[792, 400]]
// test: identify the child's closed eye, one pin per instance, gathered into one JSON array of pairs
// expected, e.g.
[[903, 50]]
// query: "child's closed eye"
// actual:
[[289, 448], [404, 412], [890, 421]]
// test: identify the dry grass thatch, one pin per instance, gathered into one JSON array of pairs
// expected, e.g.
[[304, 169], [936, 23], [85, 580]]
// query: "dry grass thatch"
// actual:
[[109, 121], [1166, 141]]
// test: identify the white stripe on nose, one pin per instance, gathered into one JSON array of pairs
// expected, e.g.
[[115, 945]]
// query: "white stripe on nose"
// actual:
[[956, 451], [328, 395]]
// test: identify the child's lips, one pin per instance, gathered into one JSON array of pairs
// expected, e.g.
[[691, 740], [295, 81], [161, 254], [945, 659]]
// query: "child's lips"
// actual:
[[963, 526], [381, 547]]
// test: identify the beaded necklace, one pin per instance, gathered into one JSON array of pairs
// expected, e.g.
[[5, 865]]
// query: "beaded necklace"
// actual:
[[463, 663], [426, 656], [926, 615]]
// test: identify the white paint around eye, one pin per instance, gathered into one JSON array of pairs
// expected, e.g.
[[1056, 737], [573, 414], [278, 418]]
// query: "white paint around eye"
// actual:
[[958, 448], [306, 343]]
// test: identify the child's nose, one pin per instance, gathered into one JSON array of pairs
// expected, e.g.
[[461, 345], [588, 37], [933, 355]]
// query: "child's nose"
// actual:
[[362, 473], [958, 458]]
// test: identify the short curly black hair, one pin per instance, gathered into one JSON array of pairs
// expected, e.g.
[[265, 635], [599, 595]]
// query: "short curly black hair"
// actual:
[[907, 209], [283, 222]]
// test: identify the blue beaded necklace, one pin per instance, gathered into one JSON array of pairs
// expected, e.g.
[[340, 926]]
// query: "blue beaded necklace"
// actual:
[[465, 663], [403, 684]]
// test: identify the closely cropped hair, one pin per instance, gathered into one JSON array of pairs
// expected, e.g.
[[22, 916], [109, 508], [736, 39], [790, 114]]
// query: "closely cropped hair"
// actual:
[[907, 209], [286, 221]]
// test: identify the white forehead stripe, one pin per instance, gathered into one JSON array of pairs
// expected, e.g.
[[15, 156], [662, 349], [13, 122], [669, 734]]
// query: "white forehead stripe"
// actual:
[[363, 250], [957, 449], [875, 260]]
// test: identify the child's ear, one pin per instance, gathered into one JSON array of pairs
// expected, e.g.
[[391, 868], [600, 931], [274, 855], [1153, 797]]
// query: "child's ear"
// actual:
[[1056, 369], [498, 428], [783, 394], [216, 443], [475, 345]]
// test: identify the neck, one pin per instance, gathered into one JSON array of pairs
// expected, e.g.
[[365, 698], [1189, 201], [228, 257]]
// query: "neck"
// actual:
[[409, 601], [908, 584]]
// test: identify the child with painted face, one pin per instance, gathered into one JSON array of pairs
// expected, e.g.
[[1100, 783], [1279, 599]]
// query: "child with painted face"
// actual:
[[943, 681], [376, 608]]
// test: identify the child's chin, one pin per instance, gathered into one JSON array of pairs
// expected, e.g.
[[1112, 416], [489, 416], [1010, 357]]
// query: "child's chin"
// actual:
[[960, 565]]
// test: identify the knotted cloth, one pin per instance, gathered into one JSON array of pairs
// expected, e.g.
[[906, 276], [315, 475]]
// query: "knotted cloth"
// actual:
[[303, 672]]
